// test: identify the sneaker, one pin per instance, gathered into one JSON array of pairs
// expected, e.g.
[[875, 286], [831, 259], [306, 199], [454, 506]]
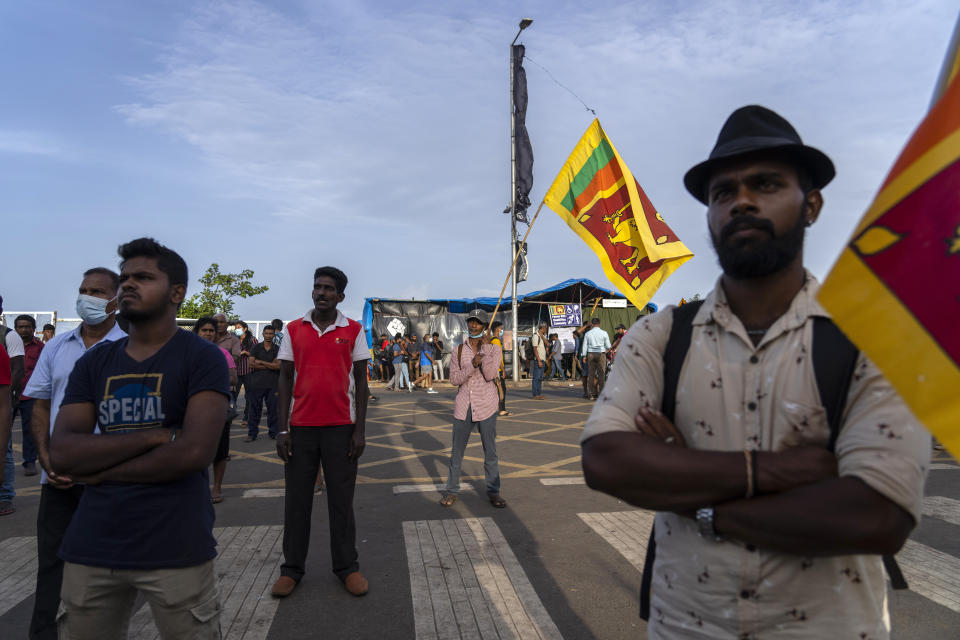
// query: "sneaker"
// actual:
[[430, 390], [6, 507], [29, 468]]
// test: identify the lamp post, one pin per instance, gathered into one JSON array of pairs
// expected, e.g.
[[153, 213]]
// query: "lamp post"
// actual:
[[524, 23]]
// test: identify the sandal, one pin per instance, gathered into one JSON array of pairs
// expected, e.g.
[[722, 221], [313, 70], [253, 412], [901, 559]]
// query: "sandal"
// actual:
[[504, 413], [448, 500], [498, 502], [216, 500]]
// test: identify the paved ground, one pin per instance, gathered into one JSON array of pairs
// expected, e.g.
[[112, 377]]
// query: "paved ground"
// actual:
[[560, 561]]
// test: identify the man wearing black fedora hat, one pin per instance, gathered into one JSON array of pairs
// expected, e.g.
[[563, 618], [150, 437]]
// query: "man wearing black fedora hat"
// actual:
[[780, 462]]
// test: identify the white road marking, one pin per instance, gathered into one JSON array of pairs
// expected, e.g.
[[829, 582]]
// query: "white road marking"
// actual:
[[426, 488], [931, 573], [18, 570], [943, 508], [626, 531], [943, 467], [247, 566], [467, 583], [553, 482], [264, 493]]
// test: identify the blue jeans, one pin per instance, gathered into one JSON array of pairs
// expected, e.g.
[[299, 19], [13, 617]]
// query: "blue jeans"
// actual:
[[536, 370], [6, 490], [25, 409], [403, 373], [488, 437]]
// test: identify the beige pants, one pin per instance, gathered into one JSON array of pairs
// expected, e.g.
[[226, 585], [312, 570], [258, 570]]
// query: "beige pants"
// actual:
[[96, 602]]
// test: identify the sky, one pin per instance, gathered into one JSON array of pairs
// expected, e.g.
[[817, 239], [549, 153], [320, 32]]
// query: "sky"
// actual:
[[374, 136]]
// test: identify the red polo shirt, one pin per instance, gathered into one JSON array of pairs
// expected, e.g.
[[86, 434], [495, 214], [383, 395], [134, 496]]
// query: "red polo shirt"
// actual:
[[323, 390]]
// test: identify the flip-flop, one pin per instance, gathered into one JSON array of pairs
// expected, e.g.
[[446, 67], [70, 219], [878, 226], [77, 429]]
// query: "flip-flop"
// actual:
[[504, 413], [216, 500]]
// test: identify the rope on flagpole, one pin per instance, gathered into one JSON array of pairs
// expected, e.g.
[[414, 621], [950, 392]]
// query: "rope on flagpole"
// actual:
[[515, 258]]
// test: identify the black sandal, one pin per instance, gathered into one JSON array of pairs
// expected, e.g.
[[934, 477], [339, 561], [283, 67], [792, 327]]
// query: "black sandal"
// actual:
[[498, 502]]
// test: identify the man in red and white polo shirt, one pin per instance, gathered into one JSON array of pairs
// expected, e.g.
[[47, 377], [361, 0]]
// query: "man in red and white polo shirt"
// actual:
[[328, 353]]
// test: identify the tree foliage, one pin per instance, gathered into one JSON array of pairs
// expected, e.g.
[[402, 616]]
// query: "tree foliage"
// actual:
[[219, 291]]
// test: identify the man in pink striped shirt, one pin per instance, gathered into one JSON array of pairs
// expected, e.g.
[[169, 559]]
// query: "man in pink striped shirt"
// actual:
[[474, 366]]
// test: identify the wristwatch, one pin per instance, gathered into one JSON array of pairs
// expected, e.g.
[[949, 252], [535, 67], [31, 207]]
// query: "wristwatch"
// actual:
[[705, 524]]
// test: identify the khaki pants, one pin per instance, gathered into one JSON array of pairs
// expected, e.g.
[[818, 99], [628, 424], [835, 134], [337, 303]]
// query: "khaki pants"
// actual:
[[96, 602]]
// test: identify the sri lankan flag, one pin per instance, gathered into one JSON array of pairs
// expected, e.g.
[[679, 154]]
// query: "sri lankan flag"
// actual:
[[895, 290], [598, 197]]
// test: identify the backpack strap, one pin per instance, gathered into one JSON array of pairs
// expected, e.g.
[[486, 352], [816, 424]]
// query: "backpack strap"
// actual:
[[834, 361], [673, 356], [460, 356]]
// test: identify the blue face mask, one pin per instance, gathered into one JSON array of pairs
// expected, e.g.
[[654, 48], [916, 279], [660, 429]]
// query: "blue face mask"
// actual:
[[92, 310], [477, 336]]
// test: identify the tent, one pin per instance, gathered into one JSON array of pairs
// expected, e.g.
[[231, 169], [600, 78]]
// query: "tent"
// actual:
[[447, 316]]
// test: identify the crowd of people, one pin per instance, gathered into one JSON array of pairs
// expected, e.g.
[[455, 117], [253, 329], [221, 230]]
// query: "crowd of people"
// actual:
[[776, 494]]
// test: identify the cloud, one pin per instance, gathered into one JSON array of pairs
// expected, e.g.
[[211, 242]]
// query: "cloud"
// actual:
[[350, 115]]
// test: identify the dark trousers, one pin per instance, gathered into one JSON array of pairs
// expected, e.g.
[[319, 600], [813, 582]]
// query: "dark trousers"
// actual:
[[597, 364], [255, 400], [311, 447], [53, 518], [25, 409]]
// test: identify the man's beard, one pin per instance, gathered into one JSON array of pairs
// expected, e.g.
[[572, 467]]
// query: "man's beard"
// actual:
[[142, 315], [749, 258]]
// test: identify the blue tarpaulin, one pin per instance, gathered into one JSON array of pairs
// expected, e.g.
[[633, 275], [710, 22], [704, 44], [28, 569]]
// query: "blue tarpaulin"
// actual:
[[579, 286]]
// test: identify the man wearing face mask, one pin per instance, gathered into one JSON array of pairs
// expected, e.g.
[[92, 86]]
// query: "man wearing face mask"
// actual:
[[473, 367], [59, 496]]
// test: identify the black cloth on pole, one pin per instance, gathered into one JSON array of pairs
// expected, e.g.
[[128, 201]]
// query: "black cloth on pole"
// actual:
[[523, 149], [522, 261]]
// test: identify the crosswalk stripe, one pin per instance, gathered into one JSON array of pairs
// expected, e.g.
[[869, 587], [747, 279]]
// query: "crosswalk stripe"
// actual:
[[18, 571], [264, 493], [931, 573], [426, 488], [943, 467], [467, 583], [553, 482], [943, 508], [246, 568], [626, 531]]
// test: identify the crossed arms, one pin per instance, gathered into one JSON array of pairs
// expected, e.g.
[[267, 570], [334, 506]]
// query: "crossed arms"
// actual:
[[145, 456]]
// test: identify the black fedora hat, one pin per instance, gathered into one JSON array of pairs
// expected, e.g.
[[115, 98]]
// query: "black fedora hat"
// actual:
[[749, 130]]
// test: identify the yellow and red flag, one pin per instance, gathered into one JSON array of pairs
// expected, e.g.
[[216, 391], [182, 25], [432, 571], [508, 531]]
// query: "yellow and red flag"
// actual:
[[598, 197], [895, 290]]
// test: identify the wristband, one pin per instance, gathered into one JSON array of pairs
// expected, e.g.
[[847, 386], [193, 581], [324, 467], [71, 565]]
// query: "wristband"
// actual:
[[748, 457], [173, 435]]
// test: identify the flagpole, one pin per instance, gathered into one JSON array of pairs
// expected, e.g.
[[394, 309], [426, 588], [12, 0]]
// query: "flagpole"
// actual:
[[949, 62], [513, 270], [514, 250]]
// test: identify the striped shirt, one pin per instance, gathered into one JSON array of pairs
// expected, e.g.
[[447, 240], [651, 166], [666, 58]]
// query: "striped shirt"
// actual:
[[477, 390]]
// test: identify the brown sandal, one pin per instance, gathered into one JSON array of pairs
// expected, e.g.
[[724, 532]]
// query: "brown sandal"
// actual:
[[448, 500]]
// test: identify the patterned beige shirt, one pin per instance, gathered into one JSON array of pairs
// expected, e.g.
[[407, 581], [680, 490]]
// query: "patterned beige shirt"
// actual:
[[733, 396]]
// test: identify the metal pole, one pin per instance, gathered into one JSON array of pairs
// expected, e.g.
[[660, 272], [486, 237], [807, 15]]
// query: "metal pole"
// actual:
[[513, 221], [513, 209]]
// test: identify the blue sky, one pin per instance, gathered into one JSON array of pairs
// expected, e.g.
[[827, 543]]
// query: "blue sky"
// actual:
[[374, 136]]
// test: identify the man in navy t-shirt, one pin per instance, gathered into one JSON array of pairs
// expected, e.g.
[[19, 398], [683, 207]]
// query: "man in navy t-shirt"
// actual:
[[160, 399]]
